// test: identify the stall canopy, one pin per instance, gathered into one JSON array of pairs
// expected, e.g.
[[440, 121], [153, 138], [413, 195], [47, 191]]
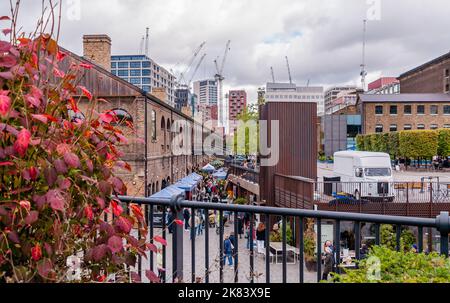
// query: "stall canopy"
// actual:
[[168, 192], [208, 168], [220, 175]]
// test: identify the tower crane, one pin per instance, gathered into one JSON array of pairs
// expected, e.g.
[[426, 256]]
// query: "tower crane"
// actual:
[[222, 104], [289, 70], [195, 70], [181, 78], [273, 76]]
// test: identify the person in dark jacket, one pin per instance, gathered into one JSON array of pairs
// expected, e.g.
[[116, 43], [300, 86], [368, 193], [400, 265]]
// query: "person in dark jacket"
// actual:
[[228, 251], [186, 216], [240, 226], [328, 260]]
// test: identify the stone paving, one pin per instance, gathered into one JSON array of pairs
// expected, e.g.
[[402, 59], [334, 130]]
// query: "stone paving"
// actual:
[[214, 265]]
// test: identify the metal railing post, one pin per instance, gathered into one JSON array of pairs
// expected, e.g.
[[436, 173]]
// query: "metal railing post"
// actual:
[[177, 243], [443, 226]]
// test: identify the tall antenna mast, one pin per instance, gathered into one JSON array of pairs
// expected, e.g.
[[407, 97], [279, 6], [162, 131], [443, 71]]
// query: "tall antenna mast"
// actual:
[[363, 73], [146, 40]]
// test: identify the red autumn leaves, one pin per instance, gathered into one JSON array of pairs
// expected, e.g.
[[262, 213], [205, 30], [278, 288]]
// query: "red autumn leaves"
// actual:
[[22, 142], [5, 103], [36, 252]]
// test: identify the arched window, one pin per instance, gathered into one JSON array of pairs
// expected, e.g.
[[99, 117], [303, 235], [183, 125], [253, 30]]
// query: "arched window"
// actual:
[[163, 127], [163, 123], [153, 125], [122, 117], [74, 117], [168, 124]]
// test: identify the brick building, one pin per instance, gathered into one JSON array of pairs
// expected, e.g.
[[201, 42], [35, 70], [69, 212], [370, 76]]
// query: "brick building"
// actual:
[[149, 150], [431, 77], [237, 101], [384, 113]]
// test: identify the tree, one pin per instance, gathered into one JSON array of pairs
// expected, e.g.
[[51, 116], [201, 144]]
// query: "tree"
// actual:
[[248, 117], [444, 143], [420, 143], [58, 173]]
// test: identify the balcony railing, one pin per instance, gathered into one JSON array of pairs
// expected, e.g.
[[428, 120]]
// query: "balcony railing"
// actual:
[[203, 269], [248, 174], [422, 199]]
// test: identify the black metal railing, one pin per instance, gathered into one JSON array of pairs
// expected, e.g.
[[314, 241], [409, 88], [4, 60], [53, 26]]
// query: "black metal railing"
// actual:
[[421, 199], [176, 206], [245, 173]]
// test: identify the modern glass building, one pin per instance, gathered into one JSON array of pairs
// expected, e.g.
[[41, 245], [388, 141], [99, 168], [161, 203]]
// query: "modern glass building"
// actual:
[[145, 73]]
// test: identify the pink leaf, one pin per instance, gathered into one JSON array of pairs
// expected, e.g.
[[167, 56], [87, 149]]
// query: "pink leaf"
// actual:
[[5, 105], [44, 268], [6, 31], [4, 18], [72, 160], [60, 56], [86, 66], [86, 92], [106, 117], [135, 277], [4, 46], [123, 225], [115, 244], [55, 199], [160, 240], [6, 163], [8, 61], [6, 75], [22, 142], [152, 247], [32, 217], [152, 276]]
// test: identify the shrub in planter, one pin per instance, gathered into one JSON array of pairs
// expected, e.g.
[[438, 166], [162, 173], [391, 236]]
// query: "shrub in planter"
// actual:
[[240, 201], [57, 173], [309, 245], [384, 265]]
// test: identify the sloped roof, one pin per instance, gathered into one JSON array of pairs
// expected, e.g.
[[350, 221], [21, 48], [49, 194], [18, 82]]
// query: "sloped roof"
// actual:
[[380, 98]]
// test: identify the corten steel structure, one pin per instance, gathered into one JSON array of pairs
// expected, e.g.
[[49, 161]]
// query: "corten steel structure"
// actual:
[[176, 272], [149, 150], [297, 153]]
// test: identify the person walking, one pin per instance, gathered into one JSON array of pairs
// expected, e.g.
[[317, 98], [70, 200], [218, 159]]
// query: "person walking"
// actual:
[[328, 260], [228, 251], [186, 216], [240, 225], [198, 224], [260, 238], [251, 237]]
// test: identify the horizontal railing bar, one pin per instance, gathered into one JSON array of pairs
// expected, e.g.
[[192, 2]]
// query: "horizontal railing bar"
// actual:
[[370, 218]]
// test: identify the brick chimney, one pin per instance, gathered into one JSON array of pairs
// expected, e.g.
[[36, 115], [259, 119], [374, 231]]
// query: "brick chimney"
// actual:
[[97, 48]]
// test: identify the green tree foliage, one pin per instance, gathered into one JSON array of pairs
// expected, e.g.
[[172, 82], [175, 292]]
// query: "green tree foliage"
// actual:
[[360, 143], [249, 114], [444, 143], [388, 237], [385, 265], [411, 144], [420, 143]]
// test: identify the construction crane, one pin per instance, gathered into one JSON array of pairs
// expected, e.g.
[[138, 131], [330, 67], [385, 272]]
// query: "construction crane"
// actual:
[[222, 108], [181, 78], [273, 76], [289, 70], [195, 70]]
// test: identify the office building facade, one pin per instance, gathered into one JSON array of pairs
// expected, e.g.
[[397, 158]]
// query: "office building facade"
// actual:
[[144, 73]]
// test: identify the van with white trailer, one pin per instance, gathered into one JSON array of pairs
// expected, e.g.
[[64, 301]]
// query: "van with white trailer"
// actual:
[[365, 175]]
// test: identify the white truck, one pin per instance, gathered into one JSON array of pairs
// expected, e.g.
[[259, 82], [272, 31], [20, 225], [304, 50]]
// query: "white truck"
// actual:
[[366, 175]]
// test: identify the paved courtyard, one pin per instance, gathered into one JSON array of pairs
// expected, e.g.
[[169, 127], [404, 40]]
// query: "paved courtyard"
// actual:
[[214, 265]]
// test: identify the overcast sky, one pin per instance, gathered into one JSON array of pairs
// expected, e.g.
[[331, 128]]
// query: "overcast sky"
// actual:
[[323, 39]]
